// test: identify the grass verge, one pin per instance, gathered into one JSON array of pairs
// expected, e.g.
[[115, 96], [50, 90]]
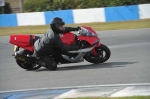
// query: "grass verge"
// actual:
[[99, 26]]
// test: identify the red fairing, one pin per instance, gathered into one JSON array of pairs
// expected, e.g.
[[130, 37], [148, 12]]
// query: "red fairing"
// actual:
[[68, 38], [23, 41], [89, 39]]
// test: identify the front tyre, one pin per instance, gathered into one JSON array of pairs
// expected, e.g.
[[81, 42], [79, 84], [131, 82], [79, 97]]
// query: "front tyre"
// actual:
[[103, 55]]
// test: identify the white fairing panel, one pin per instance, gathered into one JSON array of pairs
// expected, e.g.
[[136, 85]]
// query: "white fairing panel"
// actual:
[[79, 57], [82, 50]]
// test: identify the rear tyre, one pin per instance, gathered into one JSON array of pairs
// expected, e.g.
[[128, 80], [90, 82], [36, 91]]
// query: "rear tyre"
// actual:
[[103, 55], [24, 64]]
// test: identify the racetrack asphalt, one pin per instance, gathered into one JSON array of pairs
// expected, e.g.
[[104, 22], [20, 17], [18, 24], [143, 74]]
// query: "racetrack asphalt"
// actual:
[[129, 63]]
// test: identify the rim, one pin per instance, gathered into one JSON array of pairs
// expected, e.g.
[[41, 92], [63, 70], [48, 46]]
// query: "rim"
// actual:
[[100, 57], [101, 54]]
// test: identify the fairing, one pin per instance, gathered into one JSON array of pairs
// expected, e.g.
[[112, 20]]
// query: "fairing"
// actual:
[[89, 39], [67, 38], [23, 41], [89, 35]]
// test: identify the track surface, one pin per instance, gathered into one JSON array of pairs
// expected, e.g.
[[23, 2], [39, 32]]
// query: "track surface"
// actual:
[[129, 63]]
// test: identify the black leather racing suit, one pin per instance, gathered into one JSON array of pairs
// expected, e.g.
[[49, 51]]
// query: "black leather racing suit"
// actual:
[[47, 43]]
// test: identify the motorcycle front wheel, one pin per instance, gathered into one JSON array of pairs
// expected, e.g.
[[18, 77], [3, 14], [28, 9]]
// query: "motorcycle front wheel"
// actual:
[[103, 55]]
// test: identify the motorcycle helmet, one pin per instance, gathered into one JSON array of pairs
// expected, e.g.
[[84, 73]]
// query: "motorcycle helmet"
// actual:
[[55, 24]]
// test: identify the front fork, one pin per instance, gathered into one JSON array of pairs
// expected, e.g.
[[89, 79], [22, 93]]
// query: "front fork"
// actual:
[[94, 50]]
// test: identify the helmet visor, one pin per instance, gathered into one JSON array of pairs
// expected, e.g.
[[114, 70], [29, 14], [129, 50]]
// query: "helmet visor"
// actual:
[[60, 27]]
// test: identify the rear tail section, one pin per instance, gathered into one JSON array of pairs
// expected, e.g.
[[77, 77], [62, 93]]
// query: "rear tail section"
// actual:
[[23, 41]]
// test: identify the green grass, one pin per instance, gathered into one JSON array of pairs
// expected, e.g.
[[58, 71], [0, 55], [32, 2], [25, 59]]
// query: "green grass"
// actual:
[[134, 97], [99, 26]]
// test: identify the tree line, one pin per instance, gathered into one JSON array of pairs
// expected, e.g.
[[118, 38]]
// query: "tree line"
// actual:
[[50, 5]]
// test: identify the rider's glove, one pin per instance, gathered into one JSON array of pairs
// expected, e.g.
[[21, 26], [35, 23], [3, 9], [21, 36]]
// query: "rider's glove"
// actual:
[[77, 28]]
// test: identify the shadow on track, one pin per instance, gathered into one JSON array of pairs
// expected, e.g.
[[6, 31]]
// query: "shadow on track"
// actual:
[[90, 66]]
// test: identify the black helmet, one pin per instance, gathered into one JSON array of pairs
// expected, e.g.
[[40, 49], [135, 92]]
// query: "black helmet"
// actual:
[[55, 23]]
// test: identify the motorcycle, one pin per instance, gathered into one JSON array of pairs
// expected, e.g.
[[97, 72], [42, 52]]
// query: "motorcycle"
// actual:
[[92, 49]]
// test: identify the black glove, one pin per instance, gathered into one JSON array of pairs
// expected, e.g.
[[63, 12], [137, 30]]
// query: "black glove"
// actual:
[[77, 28]]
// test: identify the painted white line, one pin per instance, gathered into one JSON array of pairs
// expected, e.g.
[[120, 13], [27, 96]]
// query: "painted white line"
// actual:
[[107, 92], [132, 91], [76, 93], [76, 87]]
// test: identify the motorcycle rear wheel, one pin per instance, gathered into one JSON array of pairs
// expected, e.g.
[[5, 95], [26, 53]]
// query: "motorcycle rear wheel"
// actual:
[[24, 64], [103, 55]]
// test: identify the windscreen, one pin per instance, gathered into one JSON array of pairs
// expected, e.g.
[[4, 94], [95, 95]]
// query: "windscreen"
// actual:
[[86, 32]]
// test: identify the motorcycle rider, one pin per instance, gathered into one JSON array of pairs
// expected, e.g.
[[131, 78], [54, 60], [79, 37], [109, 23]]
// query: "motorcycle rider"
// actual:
[[46, 43]]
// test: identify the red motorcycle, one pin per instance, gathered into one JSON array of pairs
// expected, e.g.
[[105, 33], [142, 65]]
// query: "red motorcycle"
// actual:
[[92, 50]]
